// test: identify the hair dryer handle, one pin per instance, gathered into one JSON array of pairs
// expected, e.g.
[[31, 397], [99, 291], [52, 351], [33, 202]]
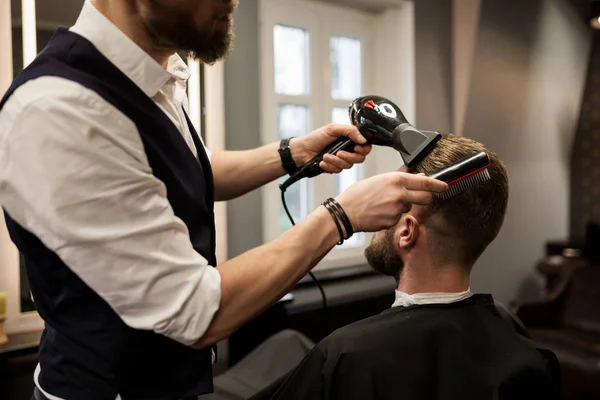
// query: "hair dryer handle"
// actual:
[[312, 168], [340, 144]]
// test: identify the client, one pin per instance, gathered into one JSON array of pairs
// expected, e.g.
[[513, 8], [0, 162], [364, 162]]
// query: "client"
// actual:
[[439, 340]]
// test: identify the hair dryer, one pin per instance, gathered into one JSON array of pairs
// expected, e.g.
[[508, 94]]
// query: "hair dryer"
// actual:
[[382, 123]]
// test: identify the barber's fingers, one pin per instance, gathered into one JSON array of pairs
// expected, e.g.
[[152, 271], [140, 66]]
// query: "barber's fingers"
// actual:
[[418, 197], [420, 182], [344, 160], [349, 131], [352, 158], [337, 161], [362, 149], [334, 164]]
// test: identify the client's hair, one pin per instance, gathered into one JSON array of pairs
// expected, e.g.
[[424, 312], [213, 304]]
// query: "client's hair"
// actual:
[[463, 226]]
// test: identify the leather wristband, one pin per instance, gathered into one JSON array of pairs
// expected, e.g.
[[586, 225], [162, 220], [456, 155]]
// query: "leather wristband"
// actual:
[[336, 220], [286, 156], [343, 217]]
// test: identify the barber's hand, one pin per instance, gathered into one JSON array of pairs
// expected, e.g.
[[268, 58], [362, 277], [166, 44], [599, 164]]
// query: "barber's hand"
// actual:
[[306, 147], [378, 203]]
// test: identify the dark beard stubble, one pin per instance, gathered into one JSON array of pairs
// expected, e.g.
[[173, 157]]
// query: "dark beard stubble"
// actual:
[[382, 256], [170, 27]]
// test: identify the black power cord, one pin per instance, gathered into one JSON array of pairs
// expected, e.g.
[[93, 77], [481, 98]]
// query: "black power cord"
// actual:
[[314, 278]]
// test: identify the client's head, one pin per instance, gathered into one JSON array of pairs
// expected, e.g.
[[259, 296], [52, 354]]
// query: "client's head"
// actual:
[[446, 233]]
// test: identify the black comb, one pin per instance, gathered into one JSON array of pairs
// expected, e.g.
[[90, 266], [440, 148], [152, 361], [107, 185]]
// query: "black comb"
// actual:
[[464, 175]]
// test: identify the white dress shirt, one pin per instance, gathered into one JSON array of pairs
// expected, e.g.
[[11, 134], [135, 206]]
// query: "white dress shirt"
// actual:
[[406, 300], [73, 171]]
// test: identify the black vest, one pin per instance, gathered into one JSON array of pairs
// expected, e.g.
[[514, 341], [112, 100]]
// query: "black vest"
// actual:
[[87, 351]]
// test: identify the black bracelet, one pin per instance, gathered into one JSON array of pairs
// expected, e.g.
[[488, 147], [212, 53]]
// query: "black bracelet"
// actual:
[[285, 153], [335, 219], [343, 217], [339, 217]]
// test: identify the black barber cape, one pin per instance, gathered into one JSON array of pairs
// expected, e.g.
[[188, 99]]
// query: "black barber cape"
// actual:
[[463, 350]]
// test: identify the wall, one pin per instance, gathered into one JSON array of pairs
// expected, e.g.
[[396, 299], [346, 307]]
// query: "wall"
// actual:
[[242, 124], [585, 158], [527, 79], [528, 76], [433, 52]]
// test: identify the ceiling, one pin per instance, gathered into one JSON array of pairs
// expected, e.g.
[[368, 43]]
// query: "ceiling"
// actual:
[[584, 7], [368, 5], [48, 12]]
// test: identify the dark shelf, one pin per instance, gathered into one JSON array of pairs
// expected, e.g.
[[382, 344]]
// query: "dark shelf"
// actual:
[[20, 343]]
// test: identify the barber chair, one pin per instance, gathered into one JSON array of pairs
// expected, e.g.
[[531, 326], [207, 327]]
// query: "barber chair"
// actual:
[[262, 367], [568, 323]]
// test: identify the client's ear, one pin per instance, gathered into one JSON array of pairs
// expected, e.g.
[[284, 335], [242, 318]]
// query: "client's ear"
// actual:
[[407, 232]]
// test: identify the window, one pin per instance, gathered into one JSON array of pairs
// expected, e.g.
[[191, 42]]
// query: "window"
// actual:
[[316, 58], [346, 71], [294, 121], [291, 50]]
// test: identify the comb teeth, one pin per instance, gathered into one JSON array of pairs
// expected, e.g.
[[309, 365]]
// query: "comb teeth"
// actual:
[[465, 184]]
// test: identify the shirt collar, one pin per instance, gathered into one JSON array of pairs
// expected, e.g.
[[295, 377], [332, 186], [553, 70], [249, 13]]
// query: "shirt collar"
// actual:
[[125, 54], [405, 300]]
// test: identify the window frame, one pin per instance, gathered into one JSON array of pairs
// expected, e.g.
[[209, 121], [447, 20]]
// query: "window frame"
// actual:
[[385, 38]]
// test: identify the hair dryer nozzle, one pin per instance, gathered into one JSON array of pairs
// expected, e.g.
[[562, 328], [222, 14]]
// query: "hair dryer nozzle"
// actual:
[[413, 144]]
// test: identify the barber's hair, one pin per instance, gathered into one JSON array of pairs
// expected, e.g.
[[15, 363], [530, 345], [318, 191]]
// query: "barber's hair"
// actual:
[[463, 226]]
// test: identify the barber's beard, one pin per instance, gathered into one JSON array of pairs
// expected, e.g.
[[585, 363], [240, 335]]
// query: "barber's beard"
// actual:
[[175, 28], [382, 255]]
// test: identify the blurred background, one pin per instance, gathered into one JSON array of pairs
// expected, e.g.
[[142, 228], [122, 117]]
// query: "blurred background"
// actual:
[[522, 77]]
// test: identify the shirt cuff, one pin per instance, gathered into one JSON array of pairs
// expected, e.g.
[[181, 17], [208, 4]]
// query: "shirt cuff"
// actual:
[[197, 312]]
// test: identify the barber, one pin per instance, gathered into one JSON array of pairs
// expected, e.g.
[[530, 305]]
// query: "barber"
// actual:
[[108, 192]]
